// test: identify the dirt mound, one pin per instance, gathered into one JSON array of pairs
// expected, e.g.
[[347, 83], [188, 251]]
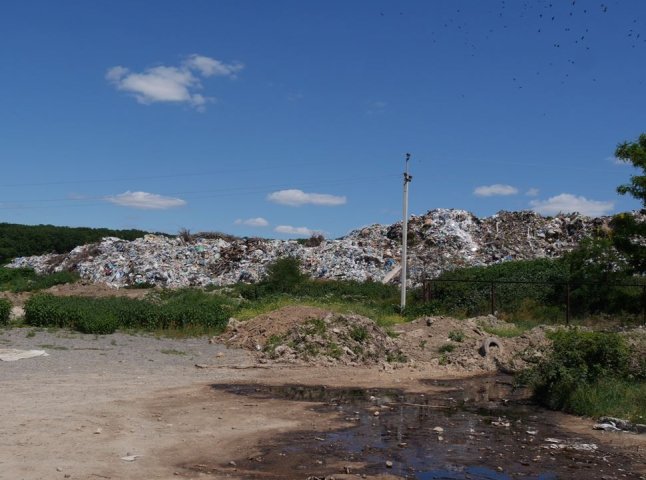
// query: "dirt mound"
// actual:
[[315, 336], [478, 345]]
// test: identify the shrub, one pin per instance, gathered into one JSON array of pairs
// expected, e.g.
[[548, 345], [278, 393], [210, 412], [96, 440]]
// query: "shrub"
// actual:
[[26, 280], [446, 348], [283, 275], [105, 315], [456, 335], [585, 373], [5, 311], [359, 333]]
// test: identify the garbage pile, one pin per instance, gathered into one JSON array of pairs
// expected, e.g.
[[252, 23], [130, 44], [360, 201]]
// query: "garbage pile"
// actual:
[[440, 240]]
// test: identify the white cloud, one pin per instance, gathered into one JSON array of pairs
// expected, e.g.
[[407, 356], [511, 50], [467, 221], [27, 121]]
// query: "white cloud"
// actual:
[[376, 107], [172, 84], [288, 229], [252, 222], [566, 203], [495, 190], [532, 192], [296, 198], [145, 200], [210, 67]]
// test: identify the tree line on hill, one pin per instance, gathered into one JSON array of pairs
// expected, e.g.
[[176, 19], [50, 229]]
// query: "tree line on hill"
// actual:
[[24, 240]]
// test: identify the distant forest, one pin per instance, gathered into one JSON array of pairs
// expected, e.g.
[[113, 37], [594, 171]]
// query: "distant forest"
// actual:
[[24, 240]]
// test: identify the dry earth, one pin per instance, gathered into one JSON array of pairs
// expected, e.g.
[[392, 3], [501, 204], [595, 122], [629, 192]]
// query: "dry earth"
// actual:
[[96, 402]]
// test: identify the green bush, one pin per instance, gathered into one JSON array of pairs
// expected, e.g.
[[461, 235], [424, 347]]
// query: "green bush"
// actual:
[[283, 275], [456, 335], [585, 373], [359, 333], [105, 315], [446, 348], [5, 311], [26, 280]]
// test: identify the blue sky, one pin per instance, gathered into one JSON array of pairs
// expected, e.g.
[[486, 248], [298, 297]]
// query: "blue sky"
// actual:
[[280, 118]]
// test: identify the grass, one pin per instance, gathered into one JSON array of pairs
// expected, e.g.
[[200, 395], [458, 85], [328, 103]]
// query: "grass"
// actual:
[[184, 309], [590, 373], [456, 336], [251, 308], [506, 332], [172, 351], [26, 279], [613, 397], [446, 348], [359, 334]]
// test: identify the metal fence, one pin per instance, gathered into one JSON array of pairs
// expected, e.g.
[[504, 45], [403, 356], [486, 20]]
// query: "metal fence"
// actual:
[[492, 289]]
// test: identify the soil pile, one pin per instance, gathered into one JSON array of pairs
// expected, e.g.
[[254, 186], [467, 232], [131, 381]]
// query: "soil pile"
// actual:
[[314, 336], [476, 345]]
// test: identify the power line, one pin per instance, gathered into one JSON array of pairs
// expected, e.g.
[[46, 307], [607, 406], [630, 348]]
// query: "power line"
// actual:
[[212, 193]]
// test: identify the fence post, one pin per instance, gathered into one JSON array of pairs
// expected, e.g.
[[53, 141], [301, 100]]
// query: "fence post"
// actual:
[[644, 305], [493, 297], [567, 304]]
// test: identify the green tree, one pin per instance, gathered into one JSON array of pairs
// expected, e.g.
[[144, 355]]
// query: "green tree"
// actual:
[[635, 153], [284, 275]]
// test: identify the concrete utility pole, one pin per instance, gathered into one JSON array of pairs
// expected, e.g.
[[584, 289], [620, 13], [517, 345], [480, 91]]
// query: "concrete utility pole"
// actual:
[[407, 180]]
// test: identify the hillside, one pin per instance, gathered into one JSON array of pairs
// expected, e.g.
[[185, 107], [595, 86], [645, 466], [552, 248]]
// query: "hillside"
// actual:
[[20, 240]]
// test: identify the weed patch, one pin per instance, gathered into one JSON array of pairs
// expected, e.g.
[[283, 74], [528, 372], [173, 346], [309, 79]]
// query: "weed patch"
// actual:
[[589, 373], [172, 351], [177, 310], [456, 335], [5, 311], [446, 348]]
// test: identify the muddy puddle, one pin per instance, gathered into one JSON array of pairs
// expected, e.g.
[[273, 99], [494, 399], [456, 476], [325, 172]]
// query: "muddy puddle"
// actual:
[[478, 429]]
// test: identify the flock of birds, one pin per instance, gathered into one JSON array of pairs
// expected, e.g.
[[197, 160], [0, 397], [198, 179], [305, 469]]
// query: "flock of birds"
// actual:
[[574, 29]]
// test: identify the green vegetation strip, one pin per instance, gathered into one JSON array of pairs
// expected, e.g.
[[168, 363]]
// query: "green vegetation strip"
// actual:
[[26, 280], [177, 310], [592, 374], [25, 240], [5, 311]]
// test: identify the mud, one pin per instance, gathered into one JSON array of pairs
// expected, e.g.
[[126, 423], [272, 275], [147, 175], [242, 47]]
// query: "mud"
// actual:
[[480, 428]]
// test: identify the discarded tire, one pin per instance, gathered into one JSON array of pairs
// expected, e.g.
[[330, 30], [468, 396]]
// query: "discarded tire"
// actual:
[[489, 343]]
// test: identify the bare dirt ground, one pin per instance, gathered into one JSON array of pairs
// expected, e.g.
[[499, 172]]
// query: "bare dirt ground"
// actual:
[[135, 406], [96, 400]]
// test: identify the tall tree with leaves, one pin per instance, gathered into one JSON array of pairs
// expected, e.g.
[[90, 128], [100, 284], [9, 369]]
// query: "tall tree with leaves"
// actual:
[[635, 153]]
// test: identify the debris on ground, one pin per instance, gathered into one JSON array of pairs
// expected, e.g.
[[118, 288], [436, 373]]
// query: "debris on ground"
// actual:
[[612, 424], [467, 346], [315, 336], [299, 334], [440, 240], [12, 354]]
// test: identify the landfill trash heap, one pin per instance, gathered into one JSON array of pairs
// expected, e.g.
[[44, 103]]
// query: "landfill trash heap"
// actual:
[[440, 240]]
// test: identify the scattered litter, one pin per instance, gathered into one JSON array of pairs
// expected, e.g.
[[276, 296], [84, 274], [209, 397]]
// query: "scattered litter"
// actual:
[[556, 444], [439, 240], [11, 354], [501, 423], [613, 424], [608, 427], [130, 458]]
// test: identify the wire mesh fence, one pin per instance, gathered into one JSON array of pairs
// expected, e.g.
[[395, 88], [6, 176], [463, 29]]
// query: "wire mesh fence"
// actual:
[[554, 302]]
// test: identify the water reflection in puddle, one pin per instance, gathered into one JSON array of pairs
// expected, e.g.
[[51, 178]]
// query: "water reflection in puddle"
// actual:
[[478, 429]]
